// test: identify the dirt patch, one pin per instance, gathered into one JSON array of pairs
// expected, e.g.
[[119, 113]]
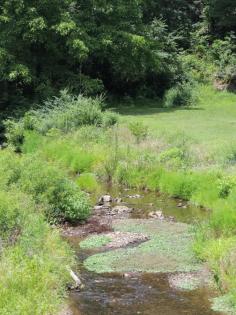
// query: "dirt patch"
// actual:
[[95, 225]]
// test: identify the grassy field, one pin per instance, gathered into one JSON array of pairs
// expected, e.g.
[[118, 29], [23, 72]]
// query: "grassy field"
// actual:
[[209, 125]]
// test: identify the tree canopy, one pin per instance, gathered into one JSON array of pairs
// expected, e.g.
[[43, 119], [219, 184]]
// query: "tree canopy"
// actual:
[[91, 46]]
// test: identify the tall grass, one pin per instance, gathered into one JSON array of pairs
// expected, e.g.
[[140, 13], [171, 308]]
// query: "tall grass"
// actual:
[[34, 259]]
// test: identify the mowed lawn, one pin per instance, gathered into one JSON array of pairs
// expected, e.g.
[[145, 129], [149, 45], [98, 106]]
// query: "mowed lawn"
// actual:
[[211, 123]]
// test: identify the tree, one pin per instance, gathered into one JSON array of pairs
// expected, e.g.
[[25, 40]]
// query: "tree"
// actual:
[[221, 16], [84, 45]]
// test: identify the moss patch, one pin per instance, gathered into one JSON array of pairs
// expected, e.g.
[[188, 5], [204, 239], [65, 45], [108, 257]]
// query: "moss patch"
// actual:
[[168, 250], [95, 241], [223, 304]]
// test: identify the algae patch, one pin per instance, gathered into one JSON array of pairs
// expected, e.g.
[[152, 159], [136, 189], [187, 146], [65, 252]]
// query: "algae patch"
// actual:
[[168, 250], [223, 304], [95, 241]]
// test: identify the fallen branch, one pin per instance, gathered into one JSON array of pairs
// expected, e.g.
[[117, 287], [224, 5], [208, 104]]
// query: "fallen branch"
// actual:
[[78, 283]]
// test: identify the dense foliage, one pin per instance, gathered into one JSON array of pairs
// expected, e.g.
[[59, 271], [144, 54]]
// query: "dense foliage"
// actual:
[[95, 46]]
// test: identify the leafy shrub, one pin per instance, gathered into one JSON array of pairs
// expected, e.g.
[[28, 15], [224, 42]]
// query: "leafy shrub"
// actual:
[[10, 168], [14, 133], [198, 69], [110, 119], [67, 112], [48, 185], [223, 53], [173, 157], [225, 186], [180, 95], [138, 130], [67, 202], [59, 115]]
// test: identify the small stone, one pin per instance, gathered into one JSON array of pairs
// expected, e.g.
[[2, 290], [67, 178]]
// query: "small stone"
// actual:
[[156, 215], [137, 196], [159, 214], [97, 208], [105, 199], [120, 210], [118, 200]]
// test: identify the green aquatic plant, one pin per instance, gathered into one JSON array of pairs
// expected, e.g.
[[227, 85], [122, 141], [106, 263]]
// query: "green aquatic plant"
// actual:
[[95, 241], [172, 242]]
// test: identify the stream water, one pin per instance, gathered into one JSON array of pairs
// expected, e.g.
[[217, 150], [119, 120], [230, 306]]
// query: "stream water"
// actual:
[[144, 293]]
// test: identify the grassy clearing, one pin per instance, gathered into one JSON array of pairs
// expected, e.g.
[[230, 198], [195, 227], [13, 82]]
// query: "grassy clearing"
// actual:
[[209, 125]]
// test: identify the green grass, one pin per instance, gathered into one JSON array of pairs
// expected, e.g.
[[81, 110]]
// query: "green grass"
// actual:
[[210, 124], [34, 259]]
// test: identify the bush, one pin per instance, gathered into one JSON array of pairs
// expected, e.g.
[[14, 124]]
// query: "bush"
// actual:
[[110, 119], [173, 158], [225, 186], [138, 130], [48, 185], [198, 69], [10, 168], [180, 95], [14, 134]]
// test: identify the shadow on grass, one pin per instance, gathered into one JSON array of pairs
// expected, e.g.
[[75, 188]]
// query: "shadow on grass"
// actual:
[[150, 110]]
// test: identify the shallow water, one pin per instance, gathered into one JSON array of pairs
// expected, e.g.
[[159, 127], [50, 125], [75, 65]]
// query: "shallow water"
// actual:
[[146, 294]]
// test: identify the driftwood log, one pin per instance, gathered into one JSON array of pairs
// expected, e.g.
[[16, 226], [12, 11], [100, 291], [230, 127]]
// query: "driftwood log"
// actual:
[[78, 283]]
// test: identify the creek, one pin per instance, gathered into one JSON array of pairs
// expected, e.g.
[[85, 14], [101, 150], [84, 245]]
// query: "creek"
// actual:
[[146, 293]]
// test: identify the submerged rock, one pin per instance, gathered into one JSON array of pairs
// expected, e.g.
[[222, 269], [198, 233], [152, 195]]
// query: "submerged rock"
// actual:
[[118, 200], [105, 200], [137, 196], [120, 210], [157, 215]]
